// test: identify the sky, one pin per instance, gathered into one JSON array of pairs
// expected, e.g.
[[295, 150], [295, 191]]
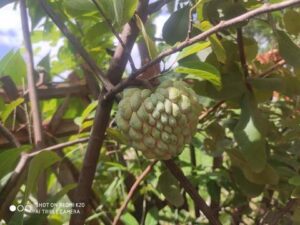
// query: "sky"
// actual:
[[11, 34], [10, 29]]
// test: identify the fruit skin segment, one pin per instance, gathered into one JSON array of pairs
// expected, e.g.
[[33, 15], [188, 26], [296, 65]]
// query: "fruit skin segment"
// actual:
[[159, 122]]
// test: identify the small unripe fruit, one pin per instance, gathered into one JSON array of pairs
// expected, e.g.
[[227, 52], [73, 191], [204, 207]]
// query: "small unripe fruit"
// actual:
[[159, 122]]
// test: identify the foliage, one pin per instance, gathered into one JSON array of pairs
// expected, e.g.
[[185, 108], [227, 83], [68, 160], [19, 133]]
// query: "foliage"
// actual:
[[244, 158]]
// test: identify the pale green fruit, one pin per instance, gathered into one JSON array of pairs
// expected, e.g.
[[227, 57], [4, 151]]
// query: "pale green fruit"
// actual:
[[159, 122]]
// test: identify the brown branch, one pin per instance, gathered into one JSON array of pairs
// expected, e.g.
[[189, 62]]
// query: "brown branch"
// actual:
[[59, 113], [216, 200], [194, 165], [109, 23], [76, 44], [281, 212], [58, 146], [266, 8], [10, 91], [132, 191], [242, 53], [102, 117], [9, 136], [189, 188], [9, 191], [66, 128], [279, 64], [39, 141], [36, 116], [210, 110]]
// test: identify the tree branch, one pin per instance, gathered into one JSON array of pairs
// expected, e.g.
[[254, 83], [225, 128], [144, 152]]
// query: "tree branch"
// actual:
[[281, 212], [76, 44], [58, 146], [115, 72], [36, 116], [266, 8], [132, 191], [109, 23], [39, 141], [210, 110], [272, 69], [9, 136], [189, 188], [241, 46]]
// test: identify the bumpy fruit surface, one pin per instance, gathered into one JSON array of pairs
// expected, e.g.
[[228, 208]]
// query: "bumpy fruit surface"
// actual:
[[159, 122]]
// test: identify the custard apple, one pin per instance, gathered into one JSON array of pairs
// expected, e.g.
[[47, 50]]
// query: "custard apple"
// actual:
[[159, 122]]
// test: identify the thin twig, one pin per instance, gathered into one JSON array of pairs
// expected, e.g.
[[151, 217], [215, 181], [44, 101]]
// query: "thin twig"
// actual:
[[132, 191], [281, 212], [279, 64], [241, 46], [36, 115], [76, 44], [216, 196], [189, 188], [58, 146], [266, 8], [9, 136], [191, 19], [210, 110], [109, 23]]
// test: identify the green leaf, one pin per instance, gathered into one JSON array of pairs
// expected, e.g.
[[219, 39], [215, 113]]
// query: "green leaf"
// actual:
[[270, 84], [129, 219], [78, 8], [36, 13], [85, 125], [96, 30], [88, 110], [250, 134], [37, 219], [116, 135], [251, 48], [9, 158], [296, 194], [289, 19], [195, 48], [202, 70], [10, 108], [218, 48], [45, 63], [231, 10], [8, 66], [169, 187], [267, 176], [128, 9], [176, 27], [119, 11], [149, 43], [247, 187], [216, 45], [37, 165], [152, 217], [295, 180], [288, 49]]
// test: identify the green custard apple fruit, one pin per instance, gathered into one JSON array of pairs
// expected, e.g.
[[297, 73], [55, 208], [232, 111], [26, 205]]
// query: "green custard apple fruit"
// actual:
[[159, 122]]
